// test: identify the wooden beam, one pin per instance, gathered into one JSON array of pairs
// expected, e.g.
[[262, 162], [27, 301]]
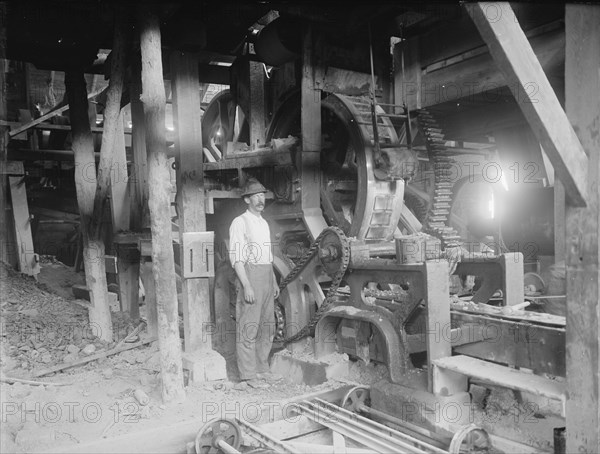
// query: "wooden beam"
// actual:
[[470, 75], [120, 208], [140, 216], [310, 158], [85, 186], [111, 125], [53, 113], [163, 262], [190, 189], [526, 79], [28, 259], [407, 82], [582, 71]]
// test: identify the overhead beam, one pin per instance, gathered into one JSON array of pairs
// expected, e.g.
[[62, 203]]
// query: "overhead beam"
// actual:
[[529, 85], [474, 72]]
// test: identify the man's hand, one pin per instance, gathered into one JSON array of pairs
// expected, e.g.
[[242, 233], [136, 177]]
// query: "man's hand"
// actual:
[[276, 291], [249, 294]]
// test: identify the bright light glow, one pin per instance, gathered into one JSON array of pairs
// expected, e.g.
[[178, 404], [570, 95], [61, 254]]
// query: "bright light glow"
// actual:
[[491, 207], [503, 181], [170, 128]]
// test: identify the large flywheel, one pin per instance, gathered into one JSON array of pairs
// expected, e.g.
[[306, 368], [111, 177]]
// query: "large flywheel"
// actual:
[[352, 197]]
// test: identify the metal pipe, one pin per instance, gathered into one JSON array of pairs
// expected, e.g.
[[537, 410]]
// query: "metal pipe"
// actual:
[[375, 427], [266, 439], [226, 448], [350, 432], [432, 437]]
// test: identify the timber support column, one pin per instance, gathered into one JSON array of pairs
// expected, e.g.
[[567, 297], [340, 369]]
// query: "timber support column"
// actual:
[[140, 215], [85, 185], [204, 363], [163, 262], [312, 86], [582, 104]]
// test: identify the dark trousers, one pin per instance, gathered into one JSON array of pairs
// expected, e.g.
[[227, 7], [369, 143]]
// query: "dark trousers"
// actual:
[[255, 322]]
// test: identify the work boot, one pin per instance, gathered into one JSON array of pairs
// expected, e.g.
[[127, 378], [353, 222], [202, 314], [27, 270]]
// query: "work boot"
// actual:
[[269, 377]]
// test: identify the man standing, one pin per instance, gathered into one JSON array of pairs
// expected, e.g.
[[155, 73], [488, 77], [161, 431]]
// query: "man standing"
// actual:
[[252, 260]]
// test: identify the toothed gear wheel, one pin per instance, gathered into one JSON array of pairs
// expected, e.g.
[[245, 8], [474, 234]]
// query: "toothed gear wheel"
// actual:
[[437, 220]]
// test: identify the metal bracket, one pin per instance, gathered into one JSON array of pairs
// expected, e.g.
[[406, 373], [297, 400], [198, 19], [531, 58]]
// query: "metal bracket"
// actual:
[[197, 250]]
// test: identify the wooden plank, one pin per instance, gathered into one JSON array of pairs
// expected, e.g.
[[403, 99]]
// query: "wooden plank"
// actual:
[[505, 377], [190, 188], [163, 262], [274, 158], [28, 259], [526, 79], [582, 70], [60, 108], [438, 315], [310, 158], [12, 168]]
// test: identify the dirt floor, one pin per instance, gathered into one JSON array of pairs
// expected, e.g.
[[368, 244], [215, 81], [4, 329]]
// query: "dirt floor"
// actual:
[[43, 325]]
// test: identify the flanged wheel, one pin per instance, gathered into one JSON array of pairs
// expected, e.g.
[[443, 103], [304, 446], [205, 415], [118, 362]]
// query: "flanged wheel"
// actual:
[[470, 439], [356, 398], [208, 437]]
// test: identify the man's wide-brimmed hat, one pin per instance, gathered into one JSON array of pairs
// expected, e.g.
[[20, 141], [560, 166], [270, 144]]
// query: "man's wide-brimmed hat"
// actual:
[[252, 187]]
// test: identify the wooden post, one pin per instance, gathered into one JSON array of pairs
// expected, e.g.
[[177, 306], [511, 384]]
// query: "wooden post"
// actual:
[[112, 118], [582, 104], [153, 98], [4, 238], [560, 234], [407, 83], [312, 75], [190, 185], [128, 258], [140, 215], [85, 185]]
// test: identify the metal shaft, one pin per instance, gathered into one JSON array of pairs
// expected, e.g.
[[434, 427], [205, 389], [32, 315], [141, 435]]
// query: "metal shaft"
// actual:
[[432, 437], [378, 428], [226, 448], [270, 442], [347, 430]]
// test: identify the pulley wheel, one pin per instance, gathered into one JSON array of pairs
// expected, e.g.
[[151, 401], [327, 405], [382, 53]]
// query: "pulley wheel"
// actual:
[[208, 437], [470, 439], [356, 398]]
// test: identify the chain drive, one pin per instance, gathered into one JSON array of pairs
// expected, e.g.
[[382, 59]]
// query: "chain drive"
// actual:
[[335, 283]]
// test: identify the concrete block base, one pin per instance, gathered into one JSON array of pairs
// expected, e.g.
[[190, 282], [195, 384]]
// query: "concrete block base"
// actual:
[[308, 371], [206, 365]]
